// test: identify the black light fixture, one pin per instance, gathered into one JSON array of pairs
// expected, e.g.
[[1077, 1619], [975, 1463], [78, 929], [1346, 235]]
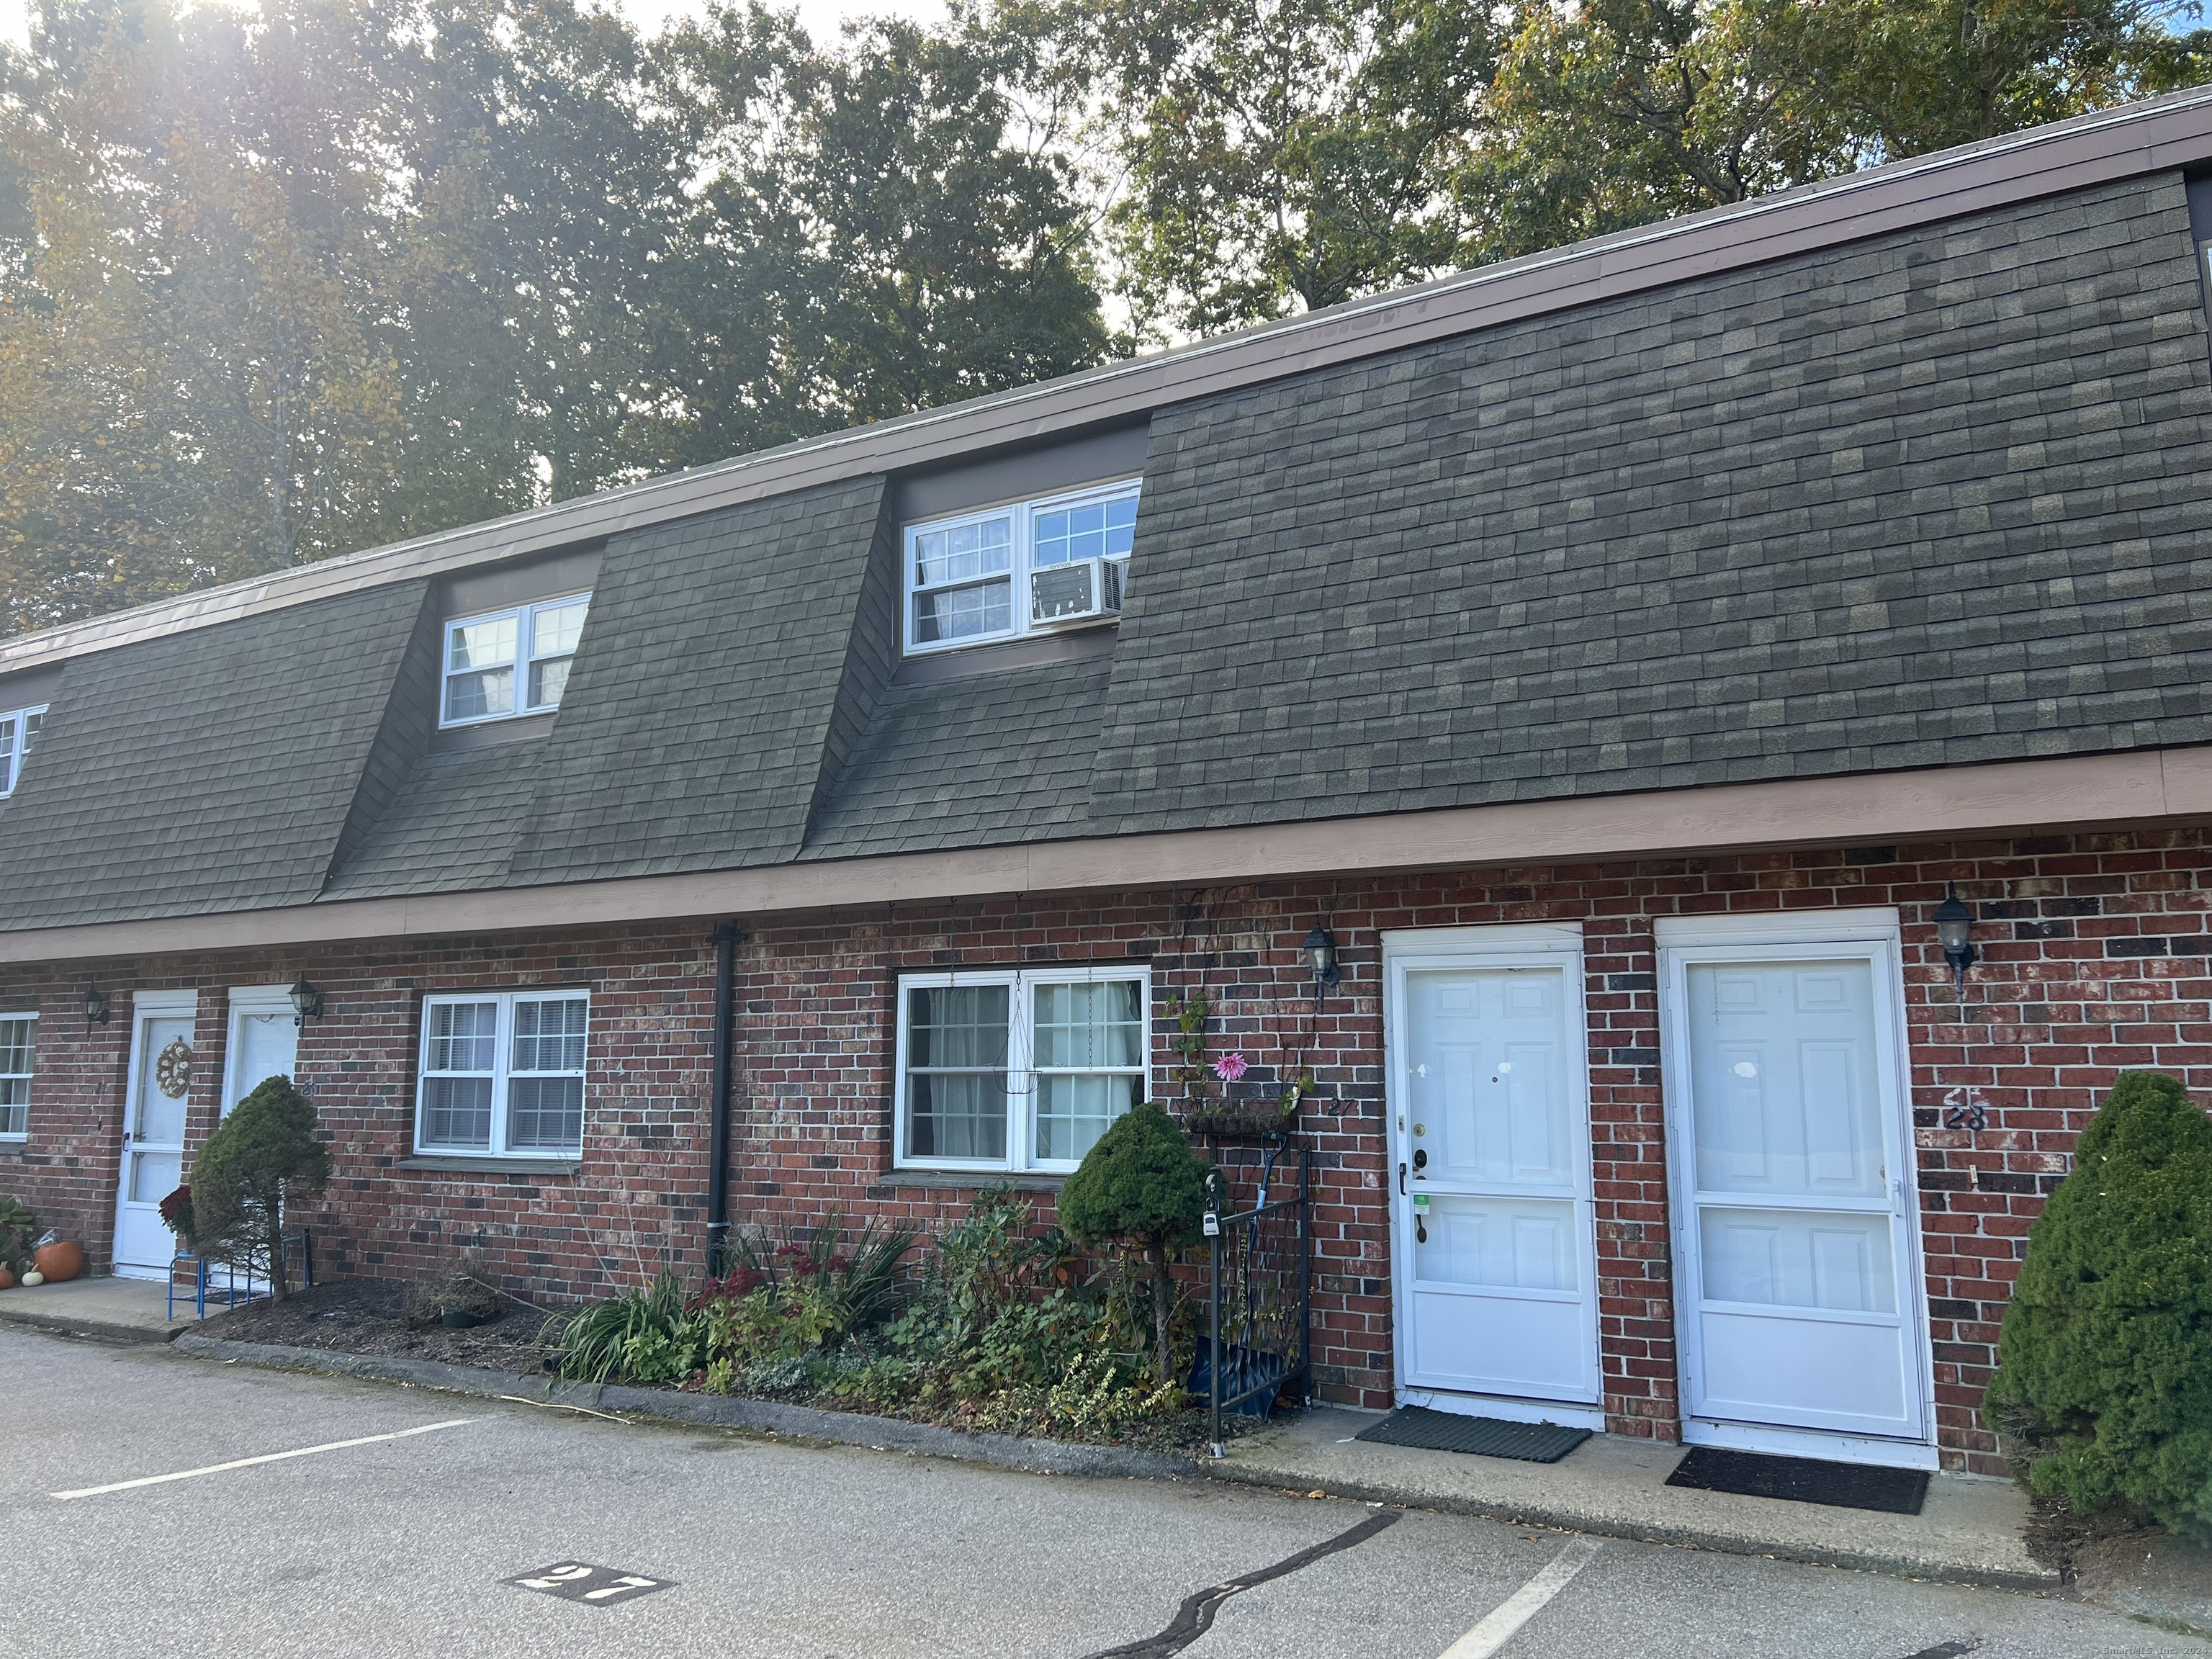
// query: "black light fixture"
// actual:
[[95, 1006], [307, 1001], [1955, 926], [1320, 948]]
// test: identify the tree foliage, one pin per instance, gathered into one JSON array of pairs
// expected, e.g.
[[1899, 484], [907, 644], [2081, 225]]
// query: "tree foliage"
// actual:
[[262, 1155], [276, 286], [282, 283], [1143, 1187], [2106, 1356]]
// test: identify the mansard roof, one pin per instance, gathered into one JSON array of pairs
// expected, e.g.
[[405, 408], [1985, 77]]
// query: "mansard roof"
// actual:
[[1901, 471]]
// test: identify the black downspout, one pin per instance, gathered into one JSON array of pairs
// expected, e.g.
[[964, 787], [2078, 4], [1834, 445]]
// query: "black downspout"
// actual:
[[718, 1133]]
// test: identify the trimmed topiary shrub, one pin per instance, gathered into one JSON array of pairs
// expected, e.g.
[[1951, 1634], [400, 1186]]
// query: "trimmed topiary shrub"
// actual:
[[2105, 1364], [261, 1156], [1141, 1186]]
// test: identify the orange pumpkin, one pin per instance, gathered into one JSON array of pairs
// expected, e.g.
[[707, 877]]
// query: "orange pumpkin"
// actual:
[[59, 1261]]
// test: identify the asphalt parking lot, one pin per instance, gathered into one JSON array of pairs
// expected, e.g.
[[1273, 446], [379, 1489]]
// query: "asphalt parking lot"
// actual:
[[439, 1524]]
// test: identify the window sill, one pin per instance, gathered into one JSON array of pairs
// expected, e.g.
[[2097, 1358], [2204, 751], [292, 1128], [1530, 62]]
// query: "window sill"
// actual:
[[942, 1178], [493, 1166]]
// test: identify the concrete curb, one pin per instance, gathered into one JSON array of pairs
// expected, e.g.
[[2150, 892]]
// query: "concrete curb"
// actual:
[[1889, 1563], [98, 1330], [711, 1411]]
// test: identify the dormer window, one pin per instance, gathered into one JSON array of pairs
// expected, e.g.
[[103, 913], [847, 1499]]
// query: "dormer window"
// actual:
[[507, 663], [19, 729], [1011, 572]]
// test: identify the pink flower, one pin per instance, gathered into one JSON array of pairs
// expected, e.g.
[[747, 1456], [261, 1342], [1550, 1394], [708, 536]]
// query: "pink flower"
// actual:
[[1230, 1067]]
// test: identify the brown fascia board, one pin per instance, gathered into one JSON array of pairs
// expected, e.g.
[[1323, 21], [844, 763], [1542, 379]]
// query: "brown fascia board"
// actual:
[[2167, 787], [2137, 139]]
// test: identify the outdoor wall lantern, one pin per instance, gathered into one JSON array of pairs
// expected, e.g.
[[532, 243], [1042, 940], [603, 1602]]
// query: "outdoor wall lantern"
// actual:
[[1954, 925], [1319, 947], [307, 1001], [95, 1006]]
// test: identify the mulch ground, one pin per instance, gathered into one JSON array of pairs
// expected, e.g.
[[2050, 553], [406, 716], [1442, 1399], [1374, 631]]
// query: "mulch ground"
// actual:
[[362, 1316]]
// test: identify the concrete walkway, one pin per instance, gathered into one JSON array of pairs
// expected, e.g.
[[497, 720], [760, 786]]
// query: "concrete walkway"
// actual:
[[114, 1309], [1968, 1532]]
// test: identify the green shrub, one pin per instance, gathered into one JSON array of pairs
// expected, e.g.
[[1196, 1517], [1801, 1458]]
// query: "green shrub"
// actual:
[[18, 1227], [1143, 1187], [2104, 1363], [638, 1336], [264, 1155]]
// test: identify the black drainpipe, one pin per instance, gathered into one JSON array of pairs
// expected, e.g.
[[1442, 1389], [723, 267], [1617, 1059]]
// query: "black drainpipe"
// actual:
[[717, 1134]]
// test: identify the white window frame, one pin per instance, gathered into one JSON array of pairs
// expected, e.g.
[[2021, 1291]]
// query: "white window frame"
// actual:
[[502, 1064], [1023, 548], [16, 748], [1021, 1043], [15, 1136], [525, 654]]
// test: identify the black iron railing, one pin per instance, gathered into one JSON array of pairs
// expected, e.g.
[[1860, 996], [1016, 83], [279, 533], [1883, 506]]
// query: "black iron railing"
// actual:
[[1260, 1286]]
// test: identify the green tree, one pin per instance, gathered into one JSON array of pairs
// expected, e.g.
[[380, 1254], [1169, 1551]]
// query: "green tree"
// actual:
[[2106, 1356], [263, 1156], [1278, 155], [1142, 1187], [1618, 113], [869, 236]]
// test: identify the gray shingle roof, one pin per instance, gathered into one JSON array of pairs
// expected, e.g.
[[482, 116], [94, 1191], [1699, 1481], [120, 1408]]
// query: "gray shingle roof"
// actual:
[[987, 761], [208, 770], [1936, 498], [1931, 498], [451, 827]]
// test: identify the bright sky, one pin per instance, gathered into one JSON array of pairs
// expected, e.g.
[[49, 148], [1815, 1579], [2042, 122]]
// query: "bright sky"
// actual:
[[820, 16]]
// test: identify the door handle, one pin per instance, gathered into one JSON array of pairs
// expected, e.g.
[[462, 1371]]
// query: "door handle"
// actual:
[[1402, 1180]]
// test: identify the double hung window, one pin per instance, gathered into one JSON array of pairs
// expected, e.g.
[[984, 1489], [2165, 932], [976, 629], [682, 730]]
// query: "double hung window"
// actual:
[[502, 1076], [1017, 1069], [1017, 570], [18, 1035], [19, 729], [510, 662]]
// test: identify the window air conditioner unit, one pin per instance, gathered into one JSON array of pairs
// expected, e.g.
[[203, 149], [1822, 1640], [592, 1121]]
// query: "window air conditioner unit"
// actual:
[[1084, 591]]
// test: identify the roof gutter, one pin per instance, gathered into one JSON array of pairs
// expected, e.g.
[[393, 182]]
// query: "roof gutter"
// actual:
[[2058, 794]]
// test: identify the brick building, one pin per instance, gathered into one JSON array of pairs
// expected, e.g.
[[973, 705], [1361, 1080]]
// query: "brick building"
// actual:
[[1618, 655]]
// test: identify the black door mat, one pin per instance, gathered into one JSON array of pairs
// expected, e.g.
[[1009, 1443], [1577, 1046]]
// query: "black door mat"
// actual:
[[1802, 1479], [1484, 1436]]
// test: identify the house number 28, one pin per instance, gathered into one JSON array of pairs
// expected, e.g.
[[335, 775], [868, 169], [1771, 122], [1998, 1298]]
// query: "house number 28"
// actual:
[[1965, 1109]]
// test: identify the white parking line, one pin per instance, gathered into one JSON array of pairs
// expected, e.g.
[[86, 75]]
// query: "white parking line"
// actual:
[[248, 1462], [1518, 1609]]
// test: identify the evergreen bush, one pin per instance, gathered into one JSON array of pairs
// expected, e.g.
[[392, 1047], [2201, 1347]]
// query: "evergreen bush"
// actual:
[[2105, 1362], [1141, 1186], [260, 1156]]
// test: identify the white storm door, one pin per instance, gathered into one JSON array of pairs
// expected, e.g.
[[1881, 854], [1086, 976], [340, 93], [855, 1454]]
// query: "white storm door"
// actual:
[[1494, 1237], [264, 1040], [154, 1110], [1798, 1284]]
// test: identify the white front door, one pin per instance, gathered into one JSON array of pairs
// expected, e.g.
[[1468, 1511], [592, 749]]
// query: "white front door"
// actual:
[[1494, 1240], [1797, 1285], [264, 1040], [154, 1110]]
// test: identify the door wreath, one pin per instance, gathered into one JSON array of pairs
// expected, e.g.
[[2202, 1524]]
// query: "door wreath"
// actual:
[[172, 1068]]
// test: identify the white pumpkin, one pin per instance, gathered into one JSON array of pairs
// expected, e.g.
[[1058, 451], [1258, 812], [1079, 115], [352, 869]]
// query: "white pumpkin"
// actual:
[[33, 1277]]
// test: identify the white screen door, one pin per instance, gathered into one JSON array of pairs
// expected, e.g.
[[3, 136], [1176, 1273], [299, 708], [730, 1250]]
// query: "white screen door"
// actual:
[[155, 1106], [1790, 1147], [264, 1040], [1493, 1237]]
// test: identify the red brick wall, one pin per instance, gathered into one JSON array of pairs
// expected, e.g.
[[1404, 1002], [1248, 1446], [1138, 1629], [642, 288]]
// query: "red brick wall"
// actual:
[[2095, 960]]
